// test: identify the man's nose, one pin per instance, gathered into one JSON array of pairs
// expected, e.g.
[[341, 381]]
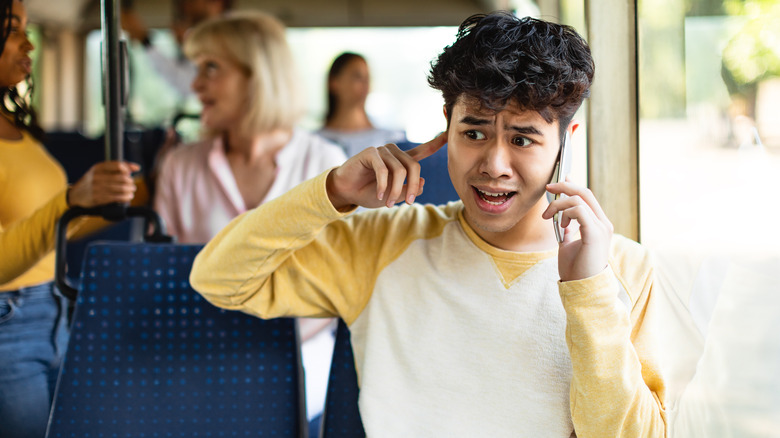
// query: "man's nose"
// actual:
[[496, 159]]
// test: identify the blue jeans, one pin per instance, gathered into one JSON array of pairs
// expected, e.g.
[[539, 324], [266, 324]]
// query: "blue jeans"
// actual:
[[33, 337]]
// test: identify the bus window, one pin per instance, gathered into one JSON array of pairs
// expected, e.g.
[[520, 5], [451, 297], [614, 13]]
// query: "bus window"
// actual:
[[398, 58], [709, 139], [709, 80], [153, 102]]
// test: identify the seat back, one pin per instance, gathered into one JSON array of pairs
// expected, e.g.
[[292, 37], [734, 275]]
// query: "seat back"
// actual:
[[341, 418], [438, 186], [148, 356]]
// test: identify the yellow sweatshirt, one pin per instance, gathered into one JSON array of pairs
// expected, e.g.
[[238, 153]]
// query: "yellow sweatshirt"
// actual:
[[452, 337], [32, 199]]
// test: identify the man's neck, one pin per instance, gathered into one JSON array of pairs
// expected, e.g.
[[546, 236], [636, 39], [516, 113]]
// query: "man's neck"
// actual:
[[530, 234]]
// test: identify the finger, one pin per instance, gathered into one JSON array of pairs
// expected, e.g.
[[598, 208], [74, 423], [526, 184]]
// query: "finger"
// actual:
[[115, 191], [561, 204], [405, 193], [396, 177], [131, 167], [571, 232], [109, 167], [412, 172], [100, 179], [571, 189], [374, 161], [589, 224], [425, 150], [111, 171]]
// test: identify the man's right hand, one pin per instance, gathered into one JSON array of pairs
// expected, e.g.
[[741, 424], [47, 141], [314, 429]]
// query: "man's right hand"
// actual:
[[375, 177]]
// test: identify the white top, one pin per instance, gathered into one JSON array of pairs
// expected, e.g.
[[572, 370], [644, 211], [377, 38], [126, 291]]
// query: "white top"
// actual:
[[177, 72]]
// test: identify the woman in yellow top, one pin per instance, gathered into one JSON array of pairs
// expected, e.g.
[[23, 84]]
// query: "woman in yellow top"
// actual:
[[33, 195]]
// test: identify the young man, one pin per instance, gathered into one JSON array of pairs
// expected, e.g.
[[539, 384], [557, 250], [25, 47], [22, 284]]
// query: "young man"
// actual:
[[468, 319]]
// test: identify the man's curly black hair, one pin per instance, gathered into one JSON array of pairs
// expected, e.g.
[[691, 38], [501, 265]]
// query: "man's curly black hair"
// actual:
[[499, 59]]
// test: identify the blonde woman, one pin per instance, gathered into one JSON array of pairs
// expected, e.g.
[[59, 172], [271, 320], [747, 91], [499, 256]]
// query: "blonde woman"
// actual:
[[251, 151]]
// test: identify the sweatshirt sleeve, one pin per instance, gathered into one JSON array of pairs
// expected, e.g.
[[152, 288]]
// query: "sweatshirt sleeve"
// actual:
[[292, 256], [617, 389], [27, 241]]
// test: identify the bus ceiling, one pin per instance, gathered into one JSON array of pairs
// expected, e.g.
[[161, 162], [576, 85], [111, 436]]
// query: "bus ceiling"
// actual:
[[84, 15]]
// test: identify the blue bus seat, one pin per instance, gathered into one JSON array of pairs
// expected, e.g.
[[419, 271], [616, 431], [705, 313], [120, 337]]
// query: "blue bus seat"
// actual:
[[148, 356], [438, 186], [341, 418]]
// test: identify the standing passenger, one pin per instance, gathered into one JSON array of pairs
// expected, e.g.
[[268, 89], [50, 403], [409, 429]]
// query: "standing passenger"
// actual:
[[178, 71], [33, 195], [347, 122], [252, 152]]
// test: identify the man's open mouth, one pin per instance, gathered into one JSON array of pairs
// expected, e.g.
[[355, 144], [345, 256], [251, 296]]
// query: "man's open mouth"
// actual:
[[494, 198]]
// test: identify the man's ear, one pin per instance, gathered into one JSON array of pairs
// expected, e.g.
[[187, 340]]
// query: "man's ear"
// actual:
[[446, 116]]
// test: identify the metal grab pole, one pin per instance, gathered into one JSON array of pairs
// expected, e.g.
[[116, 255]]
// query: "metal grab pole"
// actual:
[[113, 92], [115, 86]]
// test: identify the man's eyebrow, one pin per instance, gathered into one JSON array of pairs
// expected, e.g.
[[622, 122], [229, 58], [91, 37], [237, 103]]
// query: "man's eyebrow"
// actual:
[[477, 121], [471, 120], [525, 130]]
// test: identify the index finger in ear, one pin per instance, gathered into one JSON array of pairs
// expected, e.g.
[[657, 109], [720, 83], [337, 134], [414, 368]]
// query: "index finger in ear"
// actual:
[[425, 150]]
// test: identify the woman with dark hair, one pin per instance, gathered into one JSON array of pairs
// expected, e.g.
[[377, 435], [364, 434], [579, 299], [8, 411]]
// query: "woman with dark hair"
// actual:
[[33, 195], [346, 122]]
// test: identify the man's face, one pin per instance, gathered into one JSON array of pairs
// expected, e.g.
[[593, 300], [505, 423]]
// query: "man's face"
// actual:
[[499, 164]]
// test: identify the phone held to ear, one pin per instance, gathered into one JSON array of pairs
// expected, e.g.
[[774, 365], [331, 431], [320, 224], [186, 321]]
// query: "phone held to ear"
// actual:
[[562, 169]]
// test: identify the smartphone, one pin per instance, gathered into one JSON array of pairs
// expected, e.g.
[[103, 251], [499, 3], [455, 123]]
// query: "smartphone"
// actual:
[[562, 169]]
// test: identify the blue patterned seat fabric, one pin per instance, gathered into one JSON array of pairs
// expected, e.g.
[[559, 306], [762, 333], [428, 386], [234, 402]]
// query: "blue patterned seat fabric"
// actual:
[[149, 357], [341, 418], [438, 186]]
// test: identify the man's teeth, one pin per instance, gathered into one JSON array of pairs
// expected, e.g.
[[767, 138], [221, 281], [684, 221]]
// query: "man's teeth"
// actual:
[[485, 195], [495, 195]]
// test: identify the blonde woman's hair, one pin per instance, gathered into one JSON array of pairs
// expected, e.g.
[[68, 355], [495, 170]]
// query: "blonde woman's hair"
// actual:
[[256, 42]]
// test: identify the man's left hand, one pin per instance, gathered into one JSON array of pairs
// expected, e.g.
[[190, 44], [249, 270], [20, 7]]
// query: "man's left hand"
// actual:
[[588, 255]]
